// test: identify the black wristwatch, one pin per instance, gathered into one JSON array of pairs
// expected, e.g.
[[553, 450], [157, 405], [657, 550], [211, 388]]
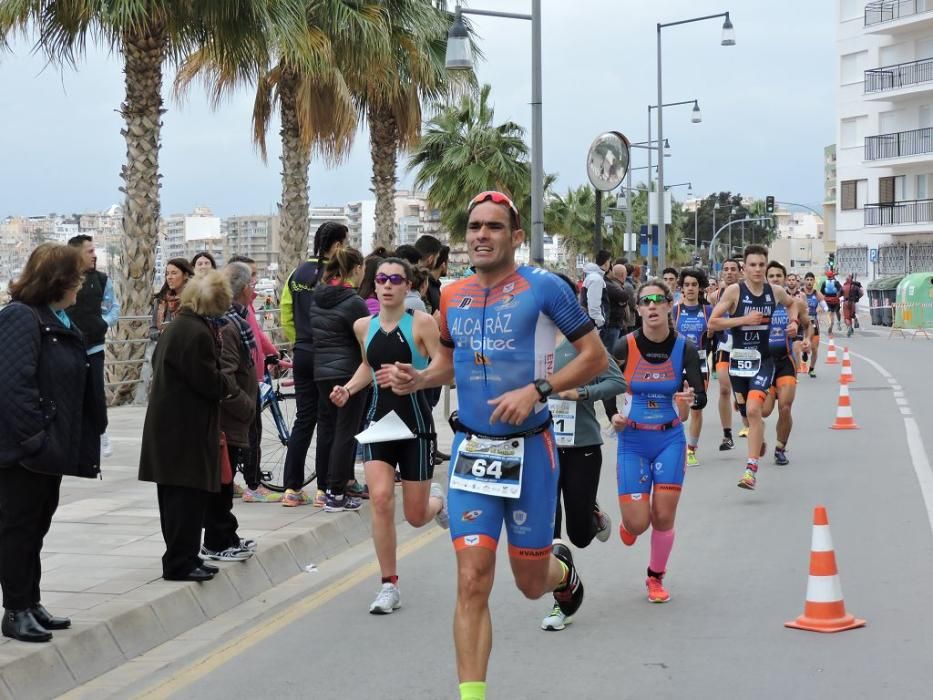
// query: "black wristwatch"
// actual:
[[544, 388]]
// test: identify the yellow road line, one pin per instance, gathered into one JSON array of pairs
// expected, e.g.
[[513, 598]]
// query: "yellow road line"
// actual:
[[212, 661]]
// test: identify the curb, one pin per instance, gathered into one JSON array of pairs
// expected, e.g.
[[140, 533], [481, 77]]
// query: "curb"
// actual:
[[159, 611]]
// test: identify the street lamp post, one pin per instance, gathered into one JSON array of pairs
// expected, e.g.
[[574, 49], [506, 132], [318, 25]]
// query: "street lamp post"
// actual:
[[728, 39], [459, 58], [696, 117], [646, 145]]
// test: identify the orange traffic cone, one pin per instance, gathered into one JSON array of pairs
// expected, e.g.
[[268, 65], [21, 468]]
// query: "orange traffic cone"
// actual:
[[844, 419], [846, 377], [831, 358], [824, 609]]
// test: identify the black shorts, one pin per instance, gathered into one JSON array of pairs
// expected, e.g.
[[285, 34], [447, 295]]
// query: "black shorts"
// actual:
[[414, 458], [784, 368], [744, 387]]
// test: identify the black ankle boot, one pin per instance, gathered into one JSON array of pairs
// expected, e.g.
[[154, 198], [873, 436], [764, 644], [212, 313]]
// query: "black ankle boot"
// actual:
[[48, 620], [21, 625]]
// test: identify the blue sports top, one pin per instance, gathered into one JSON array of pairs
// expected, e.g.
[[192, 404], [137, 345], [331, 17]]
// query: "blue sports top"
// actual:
[[777, 337], [692, 322], [504, 338], [813, 304]]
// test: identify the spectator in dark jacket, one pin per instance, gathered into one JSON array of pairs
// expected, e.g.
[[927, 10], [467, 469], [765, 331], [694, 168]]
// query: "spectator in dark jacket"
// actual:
[[181, 434], [237, 413], [296, 323], [434, 257], [335, 307], [50, 427]]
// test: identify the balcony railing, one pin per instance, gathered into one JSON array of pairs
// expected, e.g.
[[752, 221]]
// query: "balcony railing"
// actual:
[[882, 11], [917, 211], [898, 76], [897, 145]]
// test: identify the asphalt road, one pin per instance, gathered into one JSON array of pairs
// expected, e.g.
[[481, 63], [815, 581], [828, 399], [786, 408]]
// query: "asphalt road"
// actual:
[[737, 573]]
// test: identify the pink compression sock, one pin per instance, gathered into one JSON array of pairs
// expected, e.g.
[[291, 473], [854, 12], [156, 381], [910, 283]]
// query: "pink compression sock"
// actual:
[[661, 545]]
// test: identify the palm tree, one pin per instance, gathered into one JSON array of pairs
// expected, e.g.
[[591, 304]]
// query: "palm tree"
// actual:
[[308, 81], [392, 96], [463, 152], [147, 34]]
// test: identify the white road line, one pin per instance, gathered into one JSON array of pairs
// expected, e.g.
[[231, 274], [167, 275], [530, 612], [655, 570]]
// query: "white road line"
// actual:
[[918, 454], [901, 401]]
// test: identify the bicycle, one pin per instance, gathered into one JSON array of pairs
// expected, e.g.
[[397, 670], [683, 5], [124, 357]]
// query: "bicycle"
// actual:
[[278, 414]]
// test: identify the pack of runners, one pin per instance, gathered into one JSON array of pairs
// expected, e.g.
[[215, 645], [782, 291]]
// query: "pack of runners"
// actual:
[[530, 364]]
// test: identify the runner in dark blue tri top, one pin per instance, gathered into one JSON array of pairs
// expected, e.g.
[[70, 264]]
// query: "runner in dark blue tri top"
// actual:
[[784, 389], [815, 302], [749, 306], [410, 337], [691, 319]]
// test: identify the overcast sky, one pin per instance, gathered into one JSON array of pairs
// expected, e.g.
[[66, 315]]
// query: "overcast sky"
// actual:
[[767, 103]]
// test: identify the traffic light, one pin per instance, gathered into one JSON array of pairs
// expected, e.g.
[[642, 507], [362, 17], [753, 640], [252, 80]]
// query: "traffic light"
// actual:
[[769, 204], [831, 260]]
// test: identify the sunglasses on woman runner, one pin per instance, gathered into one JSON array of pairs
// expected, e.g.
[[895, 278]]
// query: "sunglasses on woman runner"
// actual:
[[496, 198], [656, 298], [395, 279]]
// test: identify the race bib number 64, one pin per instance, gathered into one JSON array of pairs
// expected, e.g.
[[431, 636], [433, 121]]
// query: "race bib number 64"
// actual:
[[493, 467]]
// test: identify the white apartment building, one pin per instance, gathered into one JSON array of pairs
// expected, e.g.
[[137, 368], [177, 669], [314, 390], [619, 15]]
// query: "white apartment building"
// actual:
[[884, 147]]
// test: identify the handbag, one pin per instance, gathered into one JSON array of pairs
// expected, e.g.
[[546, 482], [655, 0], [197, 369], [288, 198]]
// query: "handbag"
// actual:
[[226, 469]]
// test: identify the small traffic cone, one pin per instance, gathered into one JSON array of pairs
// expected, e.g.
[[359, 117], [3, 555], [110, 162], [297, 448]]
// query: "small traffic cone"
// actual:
[[831, 358], [844, 419], [824, 609], [846, 377]]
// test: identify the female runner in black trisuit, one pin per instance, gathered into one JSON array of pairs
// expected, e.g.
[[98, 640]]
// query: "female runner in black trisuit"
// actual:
[[411, 337]]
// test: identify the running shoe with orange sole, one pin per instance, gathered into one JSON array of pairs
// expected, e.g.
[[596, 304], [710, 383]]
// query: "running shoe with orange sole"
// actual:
[[656, 591]]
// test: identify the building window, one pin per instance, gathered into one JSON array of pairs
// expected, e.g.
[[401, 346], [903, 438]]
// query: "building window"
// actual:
[[852, 68], [886, 188], [850, 9], [851, 132], [921, 187], [853, 192]]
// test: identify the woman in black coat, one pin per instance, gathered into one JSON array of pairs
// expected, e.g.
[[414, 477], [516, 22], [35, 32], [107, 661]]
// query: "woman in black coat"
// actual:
[[181, 435], [49, 427], [335, 307]]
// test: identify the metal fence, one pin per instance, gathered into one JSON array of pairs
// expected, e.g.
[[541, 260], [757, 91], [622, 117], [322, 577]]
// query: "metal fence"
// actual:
[[913, 211], [899, 144], [269, 320], [898, 76], [882, 11], [853, 260], [892, 259]]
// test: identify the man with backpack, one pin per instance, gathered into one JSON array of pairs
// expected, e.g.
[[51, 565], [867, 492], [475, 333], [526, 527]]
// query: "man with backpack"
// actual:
[[852, 292], [832, 291]]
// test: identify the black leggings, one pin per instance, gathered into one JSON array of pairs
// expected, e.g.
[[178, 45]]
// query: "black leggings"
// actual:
[[579, 481], [336, 436]]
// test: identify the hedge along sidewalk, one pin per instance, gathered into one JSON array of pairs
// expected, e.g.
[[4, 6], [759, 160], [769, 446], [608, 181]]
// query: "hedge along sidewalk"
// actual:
[[101, 565]]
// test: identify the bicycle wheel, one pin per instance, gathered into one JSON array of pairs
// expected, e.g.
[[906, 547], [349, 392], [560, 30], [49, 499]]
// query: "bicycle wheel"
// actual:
[[278, 416]]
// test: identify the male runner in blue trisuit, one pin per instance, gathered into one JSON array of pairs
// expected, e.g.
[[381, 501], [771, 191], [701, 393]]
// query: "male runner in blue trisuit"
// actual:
[[498, 337]]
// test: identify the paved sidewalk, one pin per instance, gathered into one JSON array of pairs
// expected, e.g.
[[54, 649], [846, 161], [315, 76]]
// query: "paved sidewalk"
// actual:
[[102, 567]]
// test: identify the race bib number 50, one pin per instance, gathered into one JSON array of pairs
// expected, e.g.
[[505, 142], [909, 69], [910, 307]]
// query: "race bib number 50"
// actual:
[[744, 362], [493, 467]]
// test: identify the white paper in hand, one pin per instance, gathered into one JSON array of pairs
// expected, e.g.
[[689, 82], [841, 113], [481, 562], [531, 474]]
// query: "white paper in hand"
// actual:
[[388, 428]]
